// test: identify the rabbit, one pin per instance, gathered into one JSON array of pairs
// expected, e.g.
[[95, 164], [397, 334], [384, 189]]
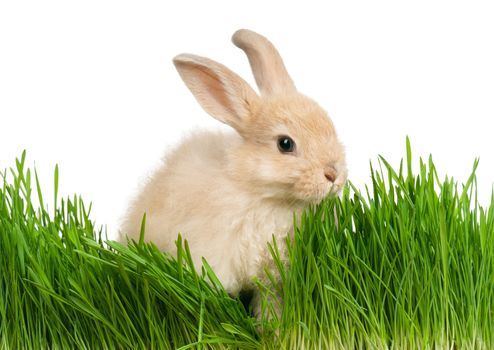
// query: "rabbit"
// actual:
[[230, 193]]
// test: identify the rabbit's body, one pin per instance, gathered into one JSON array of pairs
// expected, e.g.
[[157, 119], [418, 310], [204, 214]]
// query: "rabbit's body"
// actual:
[[196, 194], [229, 194]]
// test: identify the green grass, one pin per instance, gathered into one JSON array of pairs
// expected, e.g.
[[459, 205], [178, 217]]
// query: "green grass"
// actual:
[[408, 263]]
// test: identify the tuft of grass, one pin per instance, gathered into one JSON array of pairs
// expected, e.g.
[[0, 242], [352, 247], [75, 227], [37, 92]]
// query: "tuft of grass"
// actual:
[[62, 286], [407, 263]]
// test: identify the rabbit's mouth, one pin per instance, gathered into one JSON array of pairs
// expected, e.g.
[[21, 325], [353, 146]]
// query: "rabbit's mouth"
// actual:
[[334, 190], [319, 193], [313, 187]]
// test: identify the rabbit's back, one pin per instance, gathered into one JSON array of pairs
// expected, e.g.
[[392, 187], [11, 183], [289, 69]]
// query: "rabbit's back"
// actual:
[[178, 187]]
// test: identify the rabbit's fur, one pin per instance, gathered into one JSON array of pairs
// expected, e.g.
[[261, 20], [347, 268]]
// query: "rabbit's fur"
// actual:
[[228, 194]]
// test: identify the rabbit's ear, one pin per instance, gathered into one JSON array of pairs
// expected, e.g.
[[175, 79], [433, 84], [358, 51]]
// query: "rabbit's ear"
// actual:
[[266, 63], [220, 92]]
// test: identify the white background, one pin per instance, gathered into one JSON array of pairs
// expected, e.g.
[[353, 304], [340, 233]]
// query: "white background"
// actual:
[[90, 84]]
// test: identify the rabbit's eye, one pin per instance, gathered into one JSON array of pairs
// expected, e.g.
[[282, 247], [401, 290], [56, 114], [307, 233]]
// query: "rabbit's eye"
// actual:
[[286, 144]]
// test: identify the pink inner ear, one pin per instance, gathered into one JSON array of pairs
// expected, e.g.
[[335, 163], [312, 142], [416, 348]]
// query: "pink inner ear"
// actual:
[[214, 87], [208, 89]]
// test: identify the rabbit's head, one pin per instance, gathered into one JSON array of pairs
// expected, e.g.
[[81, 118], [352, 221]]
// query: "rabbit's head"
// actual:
[[289, 148]]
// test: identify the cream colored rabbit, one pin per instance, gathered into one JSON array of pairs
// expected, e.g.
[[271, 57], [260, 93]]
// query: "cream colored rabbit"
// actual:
[[229, 193]]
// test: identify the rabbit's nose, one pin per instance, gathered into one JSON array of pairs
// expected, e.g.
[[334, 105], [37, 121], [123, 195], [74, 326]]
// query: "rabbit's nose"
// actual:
[[330, 174]]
